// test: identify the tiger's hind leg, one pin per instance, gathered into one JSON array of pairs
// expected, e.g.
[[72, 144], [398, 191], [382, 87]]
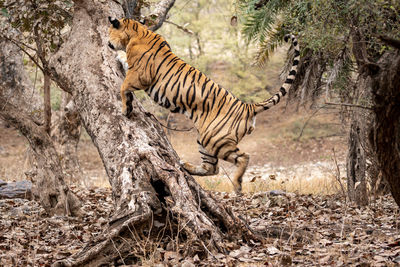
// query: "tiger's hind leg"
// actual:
[[241, 161], [209, 166]]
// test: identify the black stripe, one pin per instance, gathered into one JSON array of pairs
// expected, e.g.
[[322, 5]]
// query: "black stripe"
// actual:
[[187, 94], [167, 103], [162, 62], [204, 86], [225, 119], [147, 62], [221, 103], [295, 43], [283, 91], [296, 53], [165, 88], [173, 65], [200, 75], [187, 74], [177, 93], [180, 68], [292, 72], [156, 96], [203, 153], [205, 100], [176, 110], [183, 104], [289, 81], [193, 111], [295, 62], [159, 49], [227, 154]]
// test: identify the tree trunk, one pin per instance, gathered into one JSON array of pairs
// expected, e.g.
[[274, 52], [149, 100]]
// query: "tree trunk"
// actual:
[[47, 102], [385, 133], [356, 162], [147, 181], [19, 105], [66, 132]]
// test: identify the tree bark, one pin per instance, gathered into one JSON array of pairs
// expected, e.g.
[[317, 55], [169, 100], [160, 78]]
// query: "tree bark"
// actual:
[[356, 161], [147, 181], [385, 133], [47, 103], [66, 132], [20, 107]]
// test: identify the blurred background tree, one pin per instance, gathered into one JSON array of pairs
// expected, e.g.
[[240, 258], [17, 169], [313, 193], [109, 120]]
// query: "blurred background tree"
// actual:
[[341, 43]]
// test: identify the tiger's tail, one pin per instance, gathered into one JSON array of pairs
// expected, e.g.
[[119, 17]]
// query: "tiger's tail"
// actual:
[[272, 101]]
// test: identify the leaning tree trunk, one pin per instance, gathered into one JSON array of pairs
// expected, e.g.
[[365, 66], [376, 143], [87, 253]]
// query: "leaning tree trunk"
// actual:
[[146, 178], [385, 133], [19, 106]]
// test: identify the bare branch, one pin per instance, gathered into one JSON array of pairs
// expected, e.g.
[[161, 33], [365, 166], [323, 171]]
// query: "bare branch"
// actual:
[[17, 43], [182, 28], [348, 105], [390, 41]]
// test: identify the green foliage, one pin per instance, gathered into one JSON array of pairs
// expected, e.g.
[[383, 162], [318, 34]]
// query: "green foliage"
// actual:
[[325, 29], [321, 25], [44, 20]]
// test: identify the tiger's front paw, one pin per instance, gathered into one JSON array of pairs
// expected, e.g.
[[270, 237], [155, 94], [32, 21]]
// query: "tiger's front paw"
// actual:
[[122, 58]]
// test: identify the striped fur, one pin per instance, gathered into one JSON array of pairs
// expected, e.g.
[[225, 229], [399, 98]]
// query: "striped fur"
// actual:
[[220, 118]]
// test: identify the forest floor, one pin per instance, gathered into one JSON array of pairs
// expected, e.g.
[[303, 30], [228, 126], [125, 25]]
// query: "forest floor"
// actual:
[[305, 230], [293, 196]]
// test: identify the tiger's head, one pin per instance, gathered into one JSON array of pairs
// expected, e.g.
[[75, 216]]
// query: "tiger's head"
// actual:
[[121, 31]]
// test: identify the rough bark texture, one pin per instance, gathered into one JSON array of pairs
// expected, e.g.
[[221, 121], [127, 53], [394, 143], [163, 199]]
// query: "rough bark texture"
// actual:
[[146, 178], [66, 132], [385, 133], [47, 103], [356, 161], [20, 107]]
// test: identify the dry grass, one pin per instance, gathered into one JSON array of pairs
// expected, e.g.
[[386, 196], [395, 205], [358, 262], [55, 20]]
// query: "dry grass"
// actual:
[[316, 186]]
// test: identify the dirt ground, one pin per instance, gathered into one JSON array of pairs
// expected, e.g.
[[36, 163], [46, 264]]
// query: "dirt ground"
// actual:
[[274, 148], [300, 230]]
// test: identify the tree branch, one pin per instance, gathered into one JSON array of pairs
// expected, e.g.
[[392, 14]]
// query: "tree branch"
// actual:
[[23, 50], [390, 41], [348, 105], [159, 14], [182, 28]]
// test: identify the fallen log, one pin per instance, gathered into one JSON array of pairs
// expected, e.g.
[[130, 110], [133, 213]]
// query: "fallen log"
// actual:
[[19, 189]]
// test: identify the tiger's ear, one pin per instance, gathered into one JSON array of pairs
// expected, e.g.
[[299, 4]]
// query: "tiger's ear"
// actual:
[[114, 22]]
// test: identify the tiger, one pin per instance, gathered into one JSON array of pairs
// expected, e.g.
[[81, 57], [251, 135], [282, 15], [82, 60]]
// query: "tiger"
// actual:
[[221, 119]]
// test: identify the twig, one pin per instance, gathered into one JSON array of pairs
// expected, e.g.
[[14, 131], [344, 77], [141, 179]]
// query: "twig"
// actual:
[[165, 126], [26, 52], [227, 175], [338, 173], [182, 28], [348, 105], [209, 252], [119, 253], [305, 124]]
